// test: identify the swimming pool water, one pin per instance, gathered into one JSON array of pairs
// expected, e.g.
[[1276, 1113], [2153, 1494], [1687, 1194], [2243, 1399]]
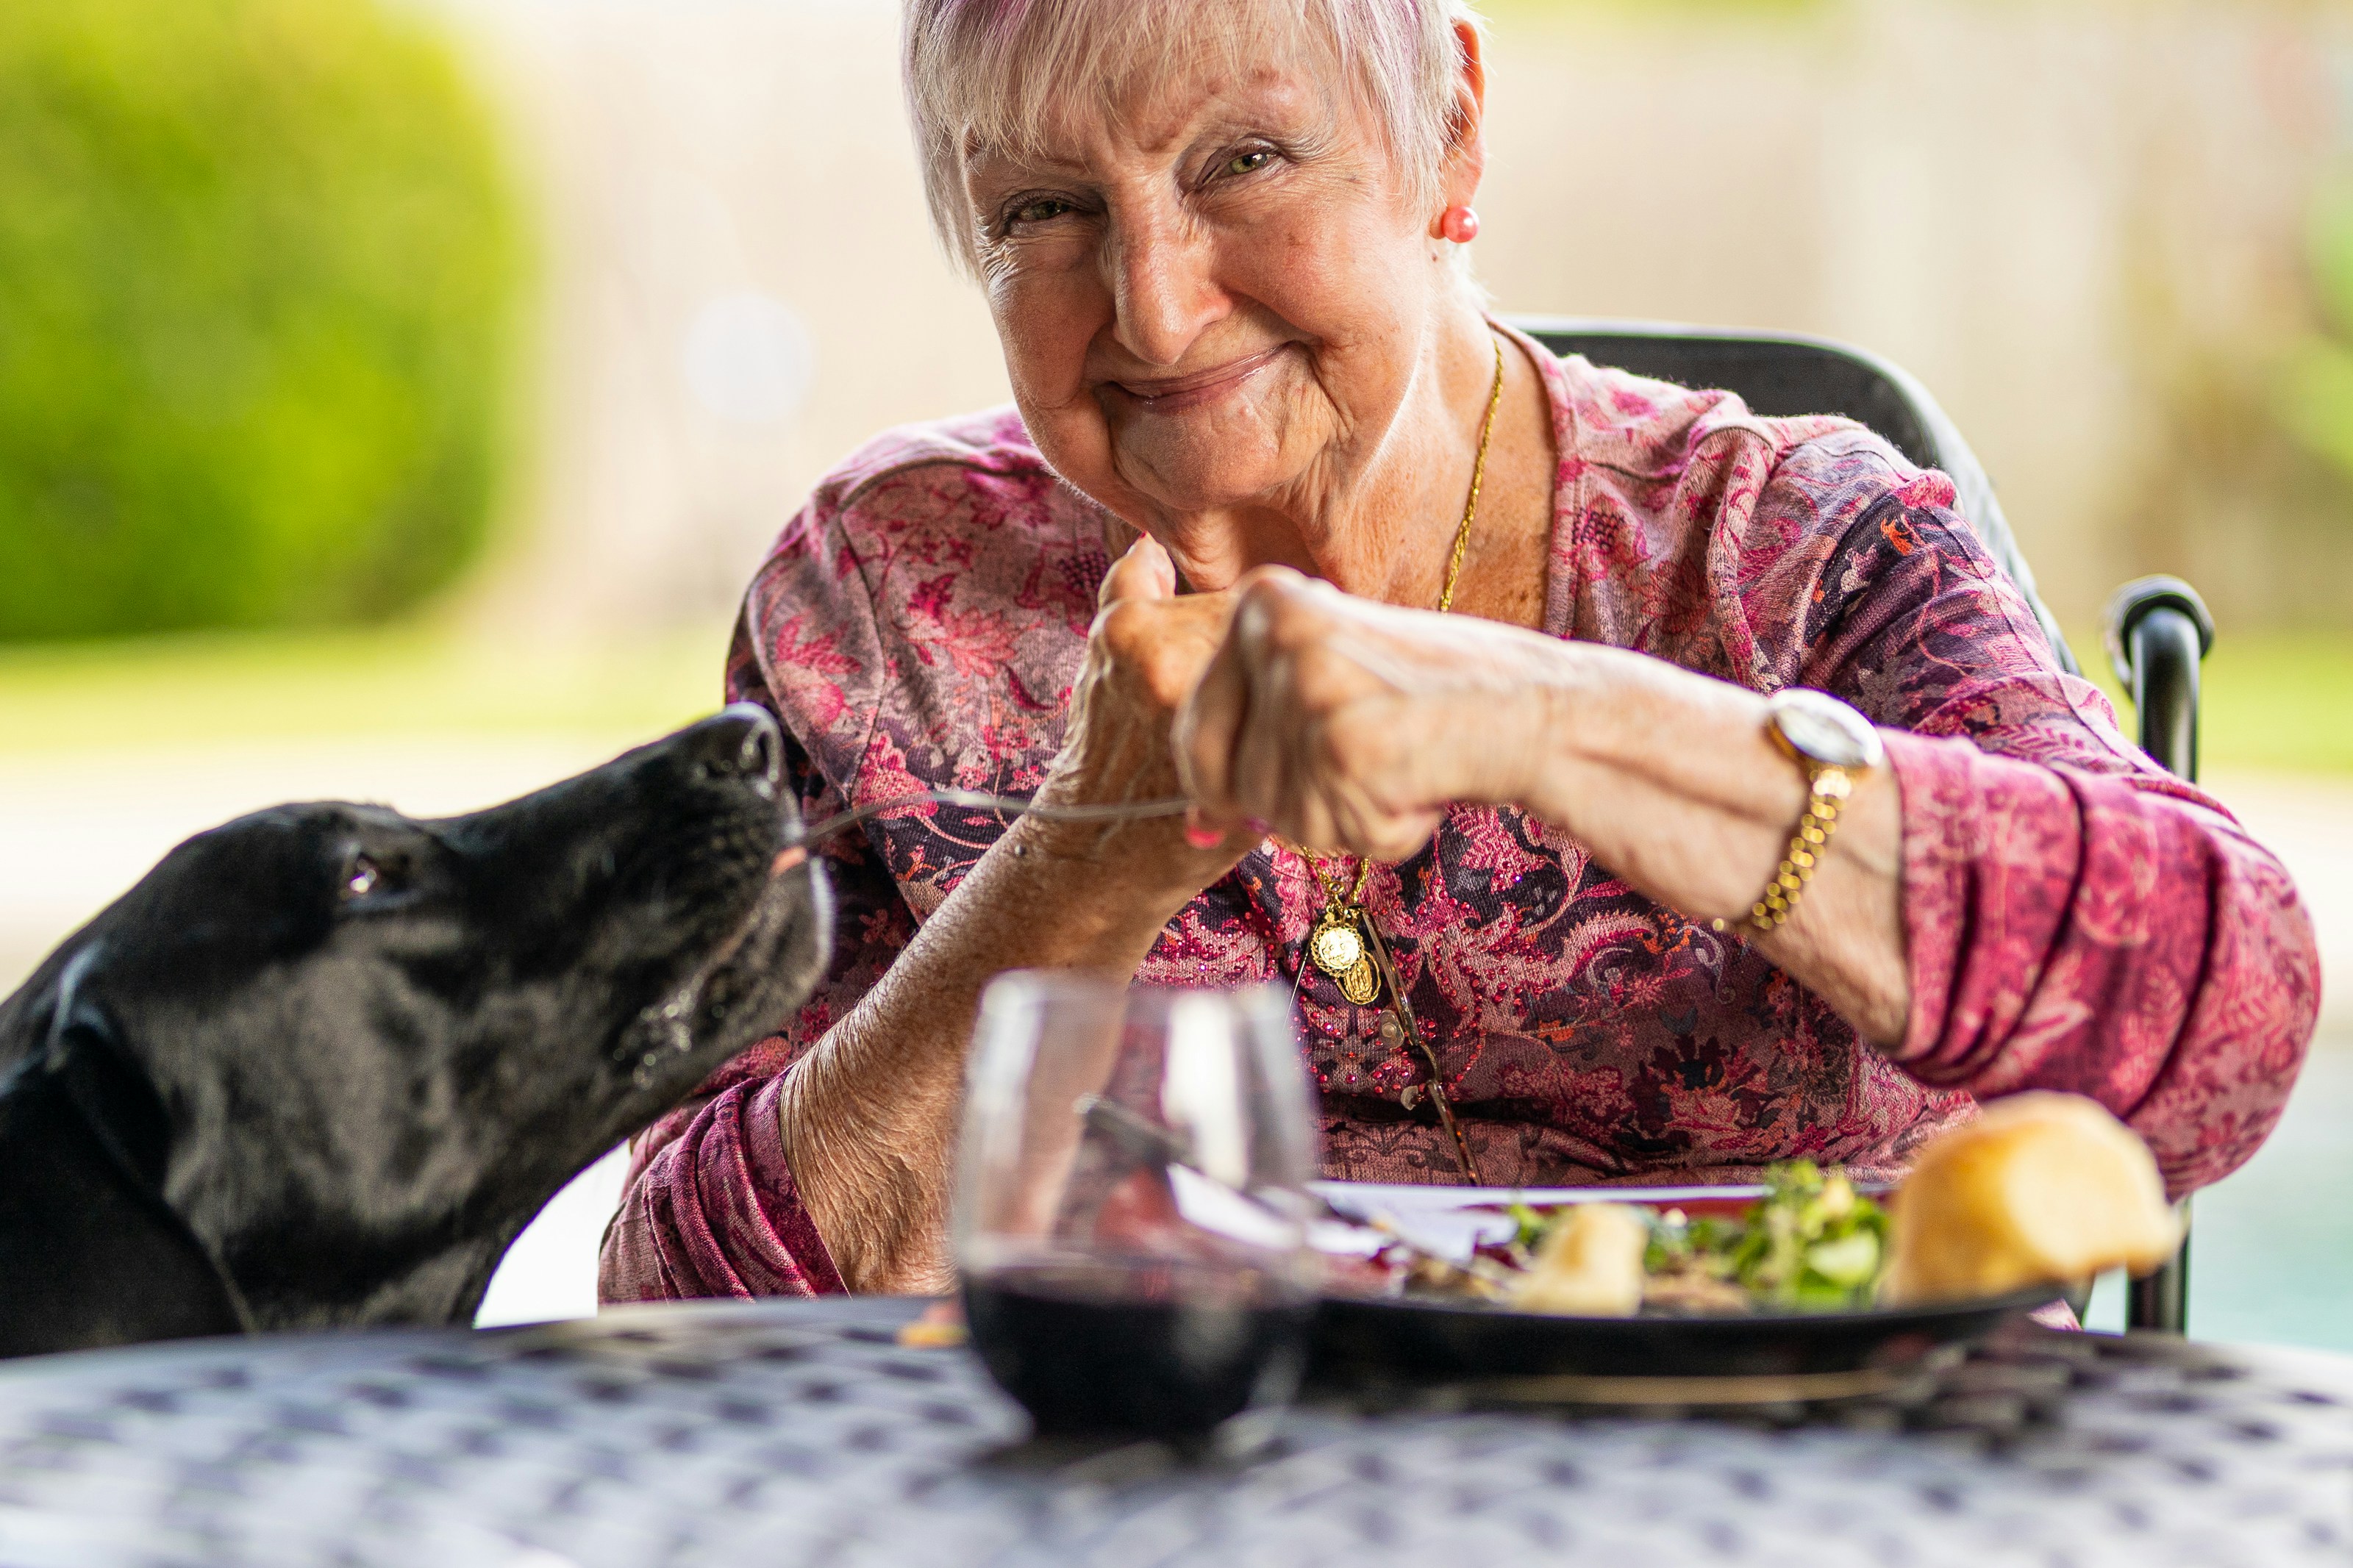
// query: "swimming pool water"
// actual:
[[2271, 1258]]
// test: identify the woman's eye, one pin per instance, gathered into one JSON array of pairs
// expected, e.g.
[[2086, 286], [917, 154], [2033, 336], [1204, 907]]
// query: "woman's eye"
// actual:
[[1043, 210], [1249, 163], [360, 877]]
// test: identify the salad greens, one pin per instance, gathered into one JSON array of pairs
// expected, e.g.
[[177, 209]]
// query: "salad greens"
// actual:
[[1812, 1243]]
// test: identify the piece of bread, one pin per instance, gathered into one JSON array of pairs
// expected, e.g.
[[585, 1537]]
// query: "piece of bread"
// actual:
[[1589, 1265], [2041, 1189]]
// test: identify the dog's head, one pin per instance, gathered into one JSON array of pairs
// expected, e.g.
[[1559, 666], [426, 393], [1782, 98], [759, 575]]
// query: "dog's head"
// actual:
[[381, 1044]]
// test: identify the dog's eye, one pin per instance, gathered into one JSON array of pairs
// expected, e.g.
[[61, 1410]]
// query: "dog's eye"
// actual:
[[360, 877]]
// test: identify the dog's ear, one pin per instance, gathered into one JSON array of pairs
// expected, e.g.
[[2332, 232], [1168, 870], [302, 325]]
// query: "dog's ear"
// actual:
[[92, 1066], [88, 1056], [96, 1256]]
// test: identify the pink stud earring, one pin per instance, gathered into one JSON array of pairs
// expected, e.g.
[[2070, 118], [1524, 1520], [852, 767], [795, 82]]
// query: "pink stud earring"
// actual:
[[1459, 225]]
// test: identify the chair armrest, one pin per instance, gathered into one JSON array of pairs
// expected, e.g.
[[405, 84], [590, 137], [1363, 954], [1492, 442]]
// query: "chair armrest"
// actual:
[[2158, 633]]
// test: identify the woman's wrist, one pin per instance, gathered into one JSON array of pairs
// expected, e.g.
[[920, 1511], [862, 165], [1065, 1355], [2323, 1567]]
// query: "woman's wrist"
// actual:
[[1619, 720], [1133, 876], [1667, 775], [1673, 782], [1149, 864], [1586, 721], [867, 1119]]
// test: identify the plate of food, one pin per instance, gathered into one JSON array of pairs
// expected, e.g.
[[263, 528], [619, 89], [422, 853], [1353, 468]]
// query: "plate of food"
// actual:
[[1806, 1286]]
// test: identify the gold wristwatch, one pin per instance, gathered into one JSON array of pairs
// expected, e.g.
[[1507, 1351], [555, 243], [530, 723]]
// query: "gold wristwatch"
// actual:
[[1836, 746]]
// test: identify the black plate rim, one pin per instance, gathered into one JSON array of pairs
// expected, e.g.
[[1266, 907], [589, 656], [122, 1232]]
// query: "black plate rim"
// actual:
[[2024, 1298]]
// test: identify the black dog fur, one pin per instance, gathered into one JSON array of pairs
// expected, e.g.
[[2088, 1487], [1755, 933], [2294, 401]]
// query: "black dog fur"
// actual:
[[322, 1063]]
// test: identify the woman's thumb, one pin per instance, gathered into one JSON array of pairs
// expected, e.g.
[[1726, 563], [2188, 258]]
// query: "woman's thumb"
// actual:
[[1145, 571]]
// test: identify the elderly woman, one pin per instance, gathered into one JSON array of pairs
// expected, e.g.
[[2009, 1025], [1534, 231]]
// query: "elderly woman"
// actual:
[[1628, 787]]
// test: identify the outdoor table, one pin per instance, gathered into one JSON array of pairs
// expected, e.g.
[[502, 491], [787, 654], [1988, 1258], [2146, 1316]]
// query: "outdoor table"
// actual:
[[785, 1433]]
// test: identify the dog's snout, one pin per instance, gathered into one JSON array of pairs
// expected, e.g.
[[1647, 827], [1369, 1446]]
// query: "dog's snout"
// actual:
[[759, 752], [739, 742]]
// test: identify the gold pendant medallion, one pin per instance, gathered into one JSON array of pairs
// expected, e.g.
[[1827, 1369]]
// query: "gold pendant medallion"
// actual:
[[1338, 948], [1337, 945]]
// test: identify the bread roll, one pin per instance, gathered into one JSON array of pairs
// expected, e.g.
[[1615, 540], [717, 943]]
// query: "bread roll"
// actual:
[[2041, 1189], [1589, 1265]]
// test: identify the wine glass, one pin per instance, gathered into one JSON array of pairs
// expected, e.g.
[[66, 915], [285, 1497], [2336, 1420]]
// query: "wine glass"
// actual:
[[1131, 1204]]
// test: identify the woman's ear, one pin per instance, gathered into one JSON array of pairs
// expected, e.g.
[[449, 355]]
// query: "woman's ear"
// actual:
[[1466, 140]]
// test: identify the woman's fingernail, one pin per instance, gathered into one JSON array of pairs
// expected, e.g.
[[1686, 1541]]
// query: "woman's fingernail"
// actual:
[[1202, 836], [1263, 829]]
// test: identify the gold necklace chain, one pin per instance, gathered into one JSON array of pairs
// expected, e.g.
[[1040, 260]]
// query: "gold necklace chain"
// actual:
[[1343, 955], [1478, 478]]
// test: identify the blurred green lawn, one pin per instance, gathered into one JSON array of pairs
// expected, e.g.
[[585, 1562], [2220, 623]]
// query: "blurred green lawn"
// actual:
[[193, 690], [2274, 702]]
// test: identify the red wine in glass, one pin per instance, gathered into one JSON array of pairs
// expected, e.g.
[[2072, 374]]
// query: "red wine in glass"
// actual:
[[1090, 1350], [1131, 1204]]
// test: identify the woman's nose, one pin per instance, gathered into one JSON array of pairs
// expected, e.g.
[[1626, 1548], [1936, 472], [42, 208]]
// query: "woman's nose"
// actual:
[[1164, 289]]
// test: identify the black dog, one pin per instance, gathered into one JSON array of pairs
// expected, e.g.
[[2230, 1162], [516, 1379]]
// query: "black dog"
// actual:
[[325, 1062]]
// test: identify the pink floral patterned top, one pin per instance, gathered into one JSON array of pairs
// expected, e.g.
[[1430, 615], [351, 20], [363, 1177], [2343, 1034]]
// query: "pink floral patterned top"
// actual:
[[2077, 918]]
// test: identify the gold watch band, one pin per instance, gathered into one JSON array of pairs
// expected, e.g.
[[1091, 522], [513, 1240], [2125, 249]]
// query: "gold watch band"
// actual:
[[1837, 747], [1827, 788]]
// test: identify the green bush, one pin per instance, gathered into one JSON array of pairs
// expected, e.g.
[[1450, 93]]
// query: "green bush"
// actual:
[[257, 266], [2315, 388]]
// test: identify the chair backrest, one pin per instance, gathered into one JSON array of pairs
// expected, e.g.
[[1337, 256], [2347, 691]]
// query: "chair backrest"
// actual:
[[1781, 375]]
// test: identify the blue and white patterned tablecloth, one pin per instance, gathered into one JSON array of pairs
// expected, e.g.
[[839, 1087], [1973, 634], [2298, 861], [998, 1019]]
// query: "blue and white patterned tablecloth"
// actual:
[[782, 1434]]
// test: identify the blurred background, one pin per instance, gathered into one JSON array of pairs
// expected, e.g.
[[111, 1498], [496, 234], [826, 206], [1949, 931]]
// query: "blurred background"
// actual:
[[396, 394]]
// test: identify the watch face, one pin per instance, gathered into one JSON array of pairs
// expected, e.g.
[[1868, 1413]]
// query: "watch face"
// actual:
[[1825, 730]]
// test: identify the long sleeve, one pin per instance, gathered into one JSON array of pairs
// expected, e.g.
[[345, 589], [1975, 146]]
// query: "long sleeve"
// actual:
[[713, 1212], [2074, 931], [2077, 918]]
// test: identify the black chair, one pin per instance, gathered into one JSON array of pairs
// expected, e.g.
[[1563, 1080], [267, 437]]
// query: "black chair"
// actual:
[[2158, 630]]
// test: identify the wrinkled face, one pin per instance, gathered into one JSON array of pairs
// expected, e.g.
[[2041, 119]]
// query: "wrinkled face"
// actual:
[[1218, 296], [382, 1043]]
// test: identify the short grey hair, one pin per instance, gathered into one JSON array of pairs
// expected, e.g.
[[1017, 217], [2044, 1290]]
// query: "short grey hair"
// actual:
[[984, 72]]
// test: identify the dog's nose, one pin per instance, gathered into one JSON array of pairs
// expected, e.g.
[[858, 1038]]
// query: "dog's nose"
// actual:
[[740, 742]]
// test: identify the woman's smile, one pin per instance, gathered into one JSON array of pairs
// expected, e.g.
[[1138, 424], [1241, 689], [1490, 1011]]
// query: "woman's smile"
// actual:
[[1181, 393]]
